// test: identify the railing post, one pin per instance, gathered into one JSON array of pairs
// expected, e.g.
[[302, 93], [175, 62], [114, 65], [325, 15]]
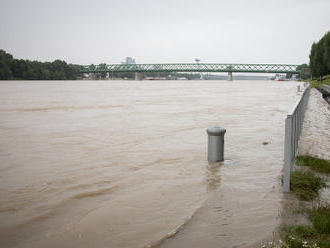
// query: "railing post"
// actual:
[[287, 153]]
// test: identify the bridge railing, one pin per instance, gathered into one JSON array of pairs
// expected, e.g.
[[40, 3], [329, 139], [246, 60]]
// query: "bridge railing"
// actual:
[[293, 127]]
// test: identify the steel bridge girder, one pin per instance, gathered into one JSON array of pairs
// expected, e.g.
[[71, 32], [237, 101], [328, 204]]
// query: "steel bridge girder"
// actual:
[[255, 68]]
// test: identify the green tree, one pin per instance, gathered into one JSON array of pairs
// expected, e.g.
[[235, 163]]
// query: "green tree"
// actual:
[[11, 68], [304, 71], [319, 58], [5, 63]]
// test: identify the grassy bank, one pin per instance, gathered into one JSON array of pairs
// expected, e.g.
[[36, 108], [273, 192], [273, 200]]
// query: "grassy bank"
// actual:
[[315, 164], [319, 83], [306, 185], [313, 228], [316, 234]]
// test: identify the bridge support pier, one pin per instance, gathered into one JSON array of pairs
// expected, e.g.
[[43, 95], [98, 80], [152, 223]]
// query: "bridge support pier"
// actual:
[[92, 76], [138, 76], [230, 76]]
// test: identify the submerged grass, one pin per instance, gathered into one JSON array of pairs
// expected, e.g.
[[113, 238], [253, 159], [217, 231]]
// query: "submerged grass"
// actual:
[[316, 164], [315, 235], [306, 184], [320, 217], [305, 231], [304, 236]]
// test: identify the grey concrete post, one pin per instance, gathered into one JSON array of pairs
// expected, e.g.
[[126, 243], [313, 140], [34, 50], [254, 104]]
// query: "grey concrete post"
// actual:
[[138, 76], [298, 88], [215, 143], [287, 154], [230, 76]]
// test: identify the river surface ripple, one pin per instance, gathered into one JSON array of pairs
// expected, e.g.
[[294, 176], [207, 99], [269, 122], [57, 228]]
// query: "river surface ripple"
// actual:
[[124, 163]]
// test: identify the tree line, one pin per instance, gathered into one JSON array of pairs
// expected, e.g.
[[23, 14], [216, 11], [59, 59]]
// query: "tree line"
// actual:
[[319, 58], [20, 69]]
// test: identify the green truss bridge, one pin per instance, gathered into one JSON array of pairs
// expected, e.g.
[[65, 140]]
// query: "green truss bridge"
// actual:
[[197, 67]]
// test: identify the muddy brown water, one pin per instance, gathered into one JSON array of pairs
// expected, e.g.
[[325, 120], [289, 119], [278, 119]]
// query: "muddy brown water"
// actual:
[[124, 163]]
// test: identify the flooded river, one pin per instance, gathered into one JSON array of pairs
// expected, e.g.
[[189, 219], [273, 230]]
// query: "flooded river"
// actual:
[[124, 163]]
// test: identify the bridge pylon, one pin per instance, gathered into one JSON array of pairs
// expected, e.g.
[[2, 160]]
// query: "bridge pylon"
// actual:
[[230, 76], [138, 75]]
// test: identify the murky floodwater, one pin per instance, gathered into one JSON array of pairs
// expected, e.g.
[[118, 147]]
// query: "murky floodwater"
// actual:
[[123, 164]]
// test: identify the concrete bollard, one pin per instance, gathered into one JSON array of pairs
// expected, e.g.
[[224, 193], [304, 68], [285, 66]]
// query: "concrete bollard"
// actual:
[[298, 88], [215, 143]]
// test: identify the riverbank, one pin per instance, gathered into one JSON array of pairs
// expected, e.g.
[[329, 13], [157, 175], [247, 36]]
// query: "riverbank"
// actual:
[[305, 222], [319, 83], [315, 136], [305, 211]]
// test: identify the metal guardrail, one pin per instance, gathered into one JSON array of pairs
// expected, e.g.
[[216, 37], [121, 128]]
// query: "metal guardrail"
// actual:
[[293, 126]]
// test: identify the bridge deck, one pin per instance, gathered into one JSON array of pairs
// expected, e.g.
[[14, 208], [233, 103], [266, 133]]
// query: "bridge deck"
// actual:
[[259, 68]]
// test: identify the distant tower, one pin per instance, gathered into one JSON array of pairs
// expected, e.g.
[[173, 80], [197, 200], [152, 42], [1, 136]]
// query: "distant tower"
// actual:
[[129, 61]]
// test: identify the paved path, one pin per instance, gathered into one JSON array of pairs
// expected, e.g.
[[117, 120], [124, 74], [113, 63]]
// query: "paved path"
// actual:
[[315, 137]]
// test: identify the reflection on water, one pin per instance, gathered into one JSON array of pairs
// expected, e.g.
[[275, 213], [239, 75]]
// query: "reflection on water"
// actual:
[[213, 176], [124, 164]]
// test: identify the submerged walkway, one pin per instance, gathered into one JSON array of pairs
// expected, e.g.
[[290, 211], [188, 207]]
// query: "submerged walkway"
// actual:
[[315, 137]]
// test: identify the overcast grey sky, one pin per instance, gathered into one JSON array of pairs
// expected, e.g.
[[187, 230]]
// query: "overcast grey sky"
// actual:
[[160, 31]]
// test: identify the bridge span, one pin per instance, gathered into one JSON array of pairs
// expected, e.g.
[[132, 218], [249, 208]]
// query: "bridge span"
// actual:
[[198, 67]]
